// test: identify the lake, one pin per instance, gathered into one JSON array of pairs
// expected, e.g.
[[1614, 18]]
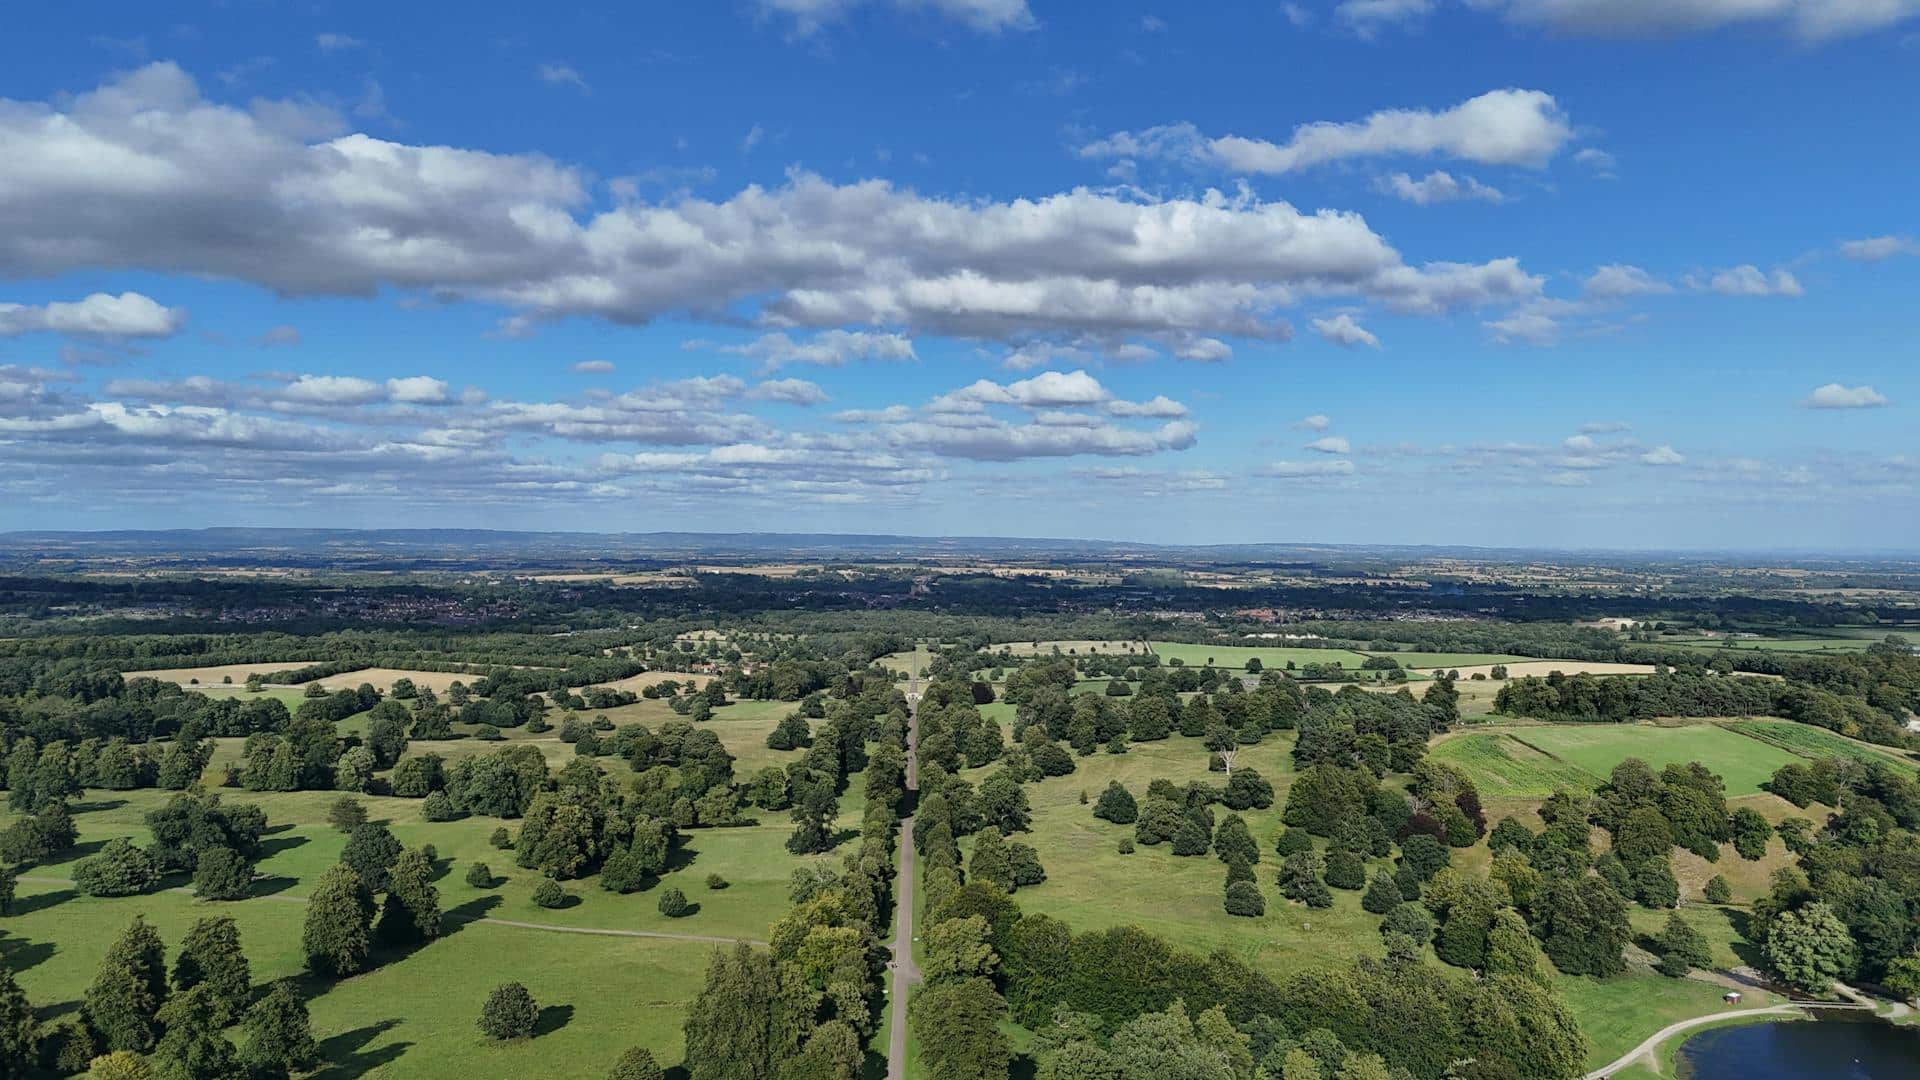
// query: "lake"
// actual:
[[1839, 1049]]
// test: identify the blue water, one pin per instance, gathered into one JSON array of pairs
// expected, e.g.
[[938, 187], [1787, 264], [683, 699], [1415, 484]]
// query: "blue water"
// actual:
[[1802, 1050]]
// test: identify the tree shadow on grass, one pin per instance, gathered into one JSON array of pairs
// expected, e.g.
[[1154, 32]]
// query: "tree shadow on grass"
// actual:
[[270, 885], [552, 1019], [80, 850], [344, 1057], [102, 804], [27, 905], [455, 918], [680, 857], [270, 848], [21, 954], [442, 866], [276, 830]]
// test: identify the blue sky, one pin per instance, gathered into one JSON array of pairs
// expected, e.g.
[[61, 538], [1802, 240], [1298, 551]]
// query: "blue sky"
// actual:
[[1512, 272]]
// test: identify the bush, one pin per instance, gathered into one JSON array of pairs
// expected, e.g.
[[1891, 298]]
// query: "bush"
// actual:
[[673, 904], [1717, 891], [1293, 841], [1382, 894], [1243, 898], [1345, 870], [636, 1064], [488, 733], [1410, 919], [716, 882], [222, 874], [120, 869], [510, 1013], [437, 807], [549, 894], [480, 876], [1126, 845], [501, 838], [346, 814]]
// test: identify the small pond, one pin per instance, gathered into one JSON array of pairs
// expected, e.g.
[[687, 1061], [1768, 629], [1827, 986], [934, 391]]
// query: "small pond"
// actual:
[[1839, 1046]]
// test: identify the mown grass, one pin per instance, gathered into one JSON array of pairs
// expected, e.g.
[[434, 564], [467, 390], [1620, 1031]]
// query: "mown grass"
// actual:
[[1596, 748], [1808, 741], [1413, 659], [1502, 765], [1236, 656]]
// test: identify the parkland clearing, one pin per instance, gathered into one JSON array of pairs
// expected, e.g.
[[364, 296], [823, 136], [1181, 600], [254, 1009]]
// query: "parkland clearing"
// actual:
[[1342, 819]]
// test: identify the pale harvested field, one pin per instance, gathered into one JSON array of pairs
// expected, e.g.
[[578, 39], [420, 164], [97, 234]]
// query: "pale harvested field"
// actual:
[[1544, 668], [383, 679], [213, 675], [652, 678], [1081, 648]]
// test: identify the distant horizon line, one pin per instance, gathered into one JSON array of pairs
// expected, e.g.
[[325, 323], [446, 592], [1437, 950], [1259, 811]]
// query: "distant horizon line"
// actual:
[[19, 535]]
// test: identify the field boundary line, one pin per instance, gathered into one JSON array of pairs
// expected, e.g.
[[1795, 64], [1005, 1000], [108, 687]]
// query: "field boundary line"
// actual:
[[552, 928]]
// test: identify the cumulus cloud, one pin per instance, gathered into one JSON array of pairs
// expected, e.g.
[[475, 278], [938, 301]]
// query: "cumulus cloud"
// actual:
[[1749, 280], [1332, 444], [562, 75], [1810, 19], [593, 367], [1438, 186], [1598, 160], [1500, 127], [1524, 328], [1342, 330], [1618, 280], [417, 390], [1879, 248], [1663, 455], [831, 348], [1604, 427], [128, 315], [1295, 470], [791, 391], [808, 17], [1316, 422], [144, 173], [1838, 396]]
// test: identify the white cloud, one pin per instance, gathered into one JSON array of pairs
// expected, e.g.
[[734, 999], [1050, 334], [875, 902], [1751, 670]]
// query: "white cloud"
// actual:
[[1810, 19], [1438, 186], [1601, 162], [332, 42], [125, 177], [1524, 328], [808, 17], [562, 75], [417, 390], [754, 136], [1569, 479], [1879, 248], [1203, 350], [1159, 407], [1581, 443], [1663, 455], [1366, 17], [1838, 396], [1749, 280], [593, 367], [128, 315], [1292, 470], [1332, 444], [1618, 280], [1342, 330], [1604, 427], [791, 391], [1153, 24], [830, 349], [1500, 127], [1316, 422]]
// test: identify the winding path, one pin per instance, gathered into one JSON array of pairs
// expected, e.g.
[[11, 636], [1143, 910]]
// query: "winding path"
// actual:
[[905, 973], [1645, 1049], [551, 928]]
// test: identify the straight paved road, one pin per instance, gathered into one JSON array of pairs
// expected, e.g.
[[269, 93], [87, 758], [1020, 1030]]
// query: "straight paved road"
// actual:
[[905, 974]]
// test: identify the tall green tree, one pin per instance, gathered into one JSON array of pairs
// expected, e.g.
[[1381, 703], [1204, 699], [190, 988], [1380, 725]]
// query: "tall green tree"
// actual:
[[193, 1047], [729, 1029], [336, 938], [17, 1026], [412, 908], [279, 1033], [123, 1003], [210, 956], [957, 1024], [1810, 947]]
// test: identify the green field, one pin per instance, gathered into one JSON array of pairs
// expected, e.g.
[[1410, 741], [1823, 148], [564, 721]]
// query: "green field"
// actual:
[[1596, 748], [1834, 644], [1503, 766], [1236, 656], [1422, 660], [1808, 741]]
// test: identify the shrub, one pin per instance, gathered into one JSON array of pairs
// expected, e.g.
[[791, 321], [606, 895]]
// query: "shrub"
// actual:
[[1243, 898], [1410, 919], [437, 807], [510, 1013], [501, 838], [549, 894], [1345, 870], [1717, 890], [673, 904], [488, 733], [480, 876], [636, 1064], [1293, 841], [346, 814], [120, 869], [1126, 845], [1382, 894], [222, 874], [716, 882]]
